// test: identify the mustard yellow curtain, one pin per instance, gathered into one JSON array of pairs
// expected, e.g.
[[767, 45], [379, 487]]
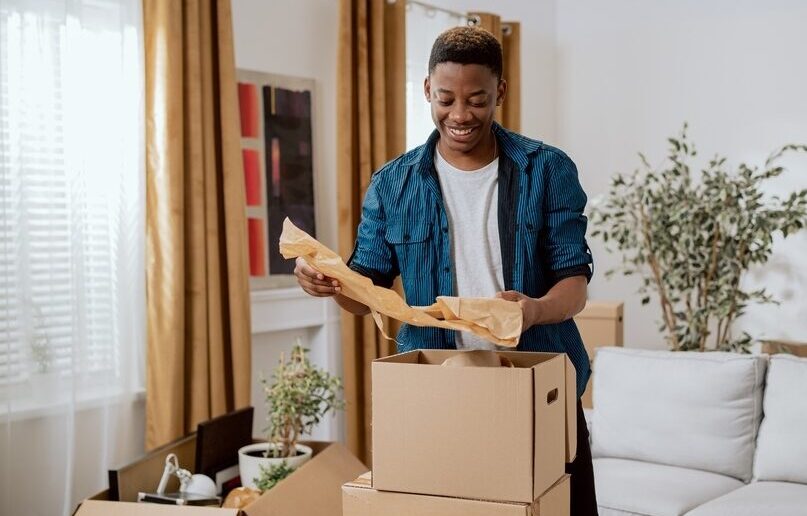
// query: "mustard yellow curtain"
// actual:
[[198, 362], [511, 50], [371, 131]]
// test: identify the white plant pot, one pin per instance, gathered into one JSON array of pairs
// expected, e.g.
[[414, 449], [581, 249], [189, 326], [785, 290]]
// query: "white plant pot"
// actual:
[[249, 466]]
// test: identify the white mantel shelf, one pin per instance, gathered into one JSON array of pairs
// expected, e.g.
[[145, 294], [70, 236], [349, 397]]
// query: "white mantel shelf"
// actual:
[[290, 309]]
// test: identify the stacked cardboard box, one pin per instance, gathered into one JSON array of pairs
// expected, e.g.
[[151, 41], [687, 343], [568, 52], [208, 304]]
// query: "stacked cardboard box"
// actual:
[[600, 324], [469, 440]]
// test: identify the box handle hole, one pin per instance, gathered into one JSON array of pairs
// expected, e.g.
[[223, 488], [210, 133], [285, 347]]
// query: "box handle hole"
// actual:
[[552, 396]]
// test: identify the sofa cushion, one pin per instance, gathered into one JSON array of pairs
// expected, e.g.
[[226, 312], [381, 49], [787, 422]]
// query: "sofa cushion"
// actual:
[[634, 487], [605, 511], [757, 499], [782, 443], [693, 410]]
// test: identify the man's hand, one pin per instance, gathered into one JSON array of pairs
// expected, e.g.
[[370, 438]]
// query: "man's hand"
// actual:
[[563, 301], [528, 306], [314, 282]]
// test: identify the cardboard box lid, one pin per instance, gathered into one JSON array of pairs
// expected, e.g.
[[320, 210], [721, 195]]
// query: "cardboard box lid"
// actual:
[[523, 465], [360, 499], [315, 487], [602, 310], [105, 508]]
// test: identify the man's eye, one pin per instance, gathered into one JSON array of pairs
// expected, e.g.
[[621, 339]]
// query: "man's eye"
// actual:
[[478, 104], [444, 102]]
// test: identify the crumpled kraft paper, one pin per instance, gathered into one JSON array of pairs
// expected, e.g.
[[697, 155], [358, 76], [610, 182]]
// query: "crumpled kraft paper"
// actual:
[[496, 320]]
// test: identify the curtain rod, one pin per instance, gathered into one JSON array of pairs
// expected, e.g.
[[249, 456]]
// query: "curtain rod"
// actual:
[[472, 18]]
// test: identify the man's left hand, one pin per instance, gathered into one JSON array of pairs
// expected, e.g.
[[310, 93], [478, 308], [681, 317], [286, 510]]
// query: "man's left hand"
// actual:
[[529, 307]]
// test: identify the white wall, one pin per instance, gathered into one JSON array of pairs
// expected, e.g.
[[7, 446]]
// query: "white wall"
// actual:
[[297, 38], [537, 17], [604, 80], [630, 72]]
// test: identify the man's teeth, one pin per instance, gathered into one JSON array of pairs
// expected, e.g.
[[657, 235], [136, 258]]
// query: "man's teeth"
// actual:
[[460, 132]]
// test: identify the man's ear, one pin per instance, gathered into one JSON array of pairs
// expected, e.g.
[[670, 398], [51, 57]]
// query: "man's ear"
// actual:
[[427, 89], [501, 92]]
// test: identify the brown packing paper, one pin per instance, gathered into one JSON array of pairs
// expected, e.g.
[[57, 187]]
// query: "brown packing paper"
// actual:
[[496, 320], [477, 358]]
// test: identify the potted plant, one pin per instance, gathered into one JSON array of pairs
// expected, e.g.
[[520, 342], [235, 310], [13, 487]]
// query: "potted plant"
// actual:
[[297, 399], [691, 239]]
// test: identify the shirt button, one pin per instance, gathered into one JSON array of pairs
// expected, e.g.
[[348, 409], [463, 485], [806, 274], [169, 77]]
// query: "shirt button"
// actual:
[[406, 238], [446, 269], [445, 229], [529, 226]]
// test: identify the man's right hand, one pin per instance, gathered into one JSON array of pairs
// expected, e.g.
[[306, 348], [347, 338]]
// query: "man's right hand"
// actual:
[[313, 281]]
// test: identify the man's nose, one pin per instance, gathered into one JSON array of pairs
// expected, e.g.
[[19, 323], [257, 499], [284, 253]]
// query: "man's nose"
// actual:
[[460, 114]]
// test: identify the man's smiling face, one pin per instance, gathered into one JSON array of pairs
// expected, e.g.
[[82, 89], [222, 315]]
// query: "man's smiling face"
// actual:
[[463, 102]]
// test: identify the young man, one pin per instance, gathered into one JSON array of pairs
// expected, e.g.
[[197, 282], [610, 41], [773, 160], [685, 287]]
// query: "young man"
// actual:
[[479, 211]]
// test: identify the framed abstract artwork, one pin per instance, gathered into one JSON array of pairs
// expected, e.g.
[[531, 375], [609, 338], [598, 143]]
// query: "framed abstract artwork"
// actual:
[[278, 156]]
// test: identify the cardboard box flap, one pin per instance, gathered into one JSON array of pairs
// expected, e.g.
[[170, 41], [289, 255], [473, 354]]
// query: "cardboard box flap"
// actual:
[[363, 481], [104, 508], [601, 310], [571, 410], [555, 501], [315, 489]]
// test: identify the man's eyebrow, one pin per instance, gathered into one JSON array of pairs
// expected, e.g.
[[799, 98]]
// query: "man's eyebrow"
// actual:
[[474, 94]]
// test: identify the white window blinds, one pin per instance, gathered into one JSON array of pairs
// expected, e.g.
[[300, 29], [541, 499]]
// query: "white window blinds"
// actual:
[[71, 195]]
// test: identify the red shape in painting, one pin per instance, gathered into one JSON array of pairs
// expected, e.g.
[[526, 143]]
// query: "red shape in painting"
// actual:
[[252, 176], [257, 247], [248, 104]]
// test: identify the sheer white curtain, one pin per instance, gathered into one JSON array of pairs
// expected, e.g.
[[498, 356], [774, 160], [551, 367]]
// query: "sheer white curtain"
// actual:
[[72, 280], [423, 25]]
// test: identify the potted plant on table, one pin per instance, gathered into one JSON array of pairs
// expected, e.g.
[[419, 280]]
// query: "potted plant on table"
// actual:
[[298, 397], [691, 239]]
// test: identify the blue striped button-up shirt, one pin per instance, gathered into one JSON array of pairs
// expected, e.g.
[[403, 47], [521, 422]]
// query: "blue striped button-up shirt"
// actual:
[[404, 230]]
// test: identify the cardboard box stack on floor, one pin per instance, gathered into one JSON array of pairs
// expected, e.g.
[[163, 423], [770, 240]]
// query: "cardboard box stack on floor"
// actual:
[[469, 440]]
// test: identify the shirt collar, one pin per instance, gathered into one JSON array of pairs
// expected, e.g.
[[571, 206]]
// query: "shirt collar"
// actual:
[[512, 145]]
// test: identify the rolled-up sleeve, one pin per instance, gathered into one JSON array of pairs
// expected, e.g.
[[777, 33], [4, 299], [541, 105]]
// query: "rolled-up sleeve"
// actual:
[[564, 240], [372, 256]]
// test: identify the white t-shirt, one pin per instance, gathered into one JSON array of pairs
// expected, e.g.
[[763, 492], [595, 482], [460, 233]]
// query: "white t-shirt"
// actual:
[[471, 199]]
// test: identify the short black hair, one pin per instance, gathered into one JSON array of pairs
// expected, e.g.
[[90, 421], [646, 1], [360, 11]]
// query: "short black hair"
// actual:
[[467, 45]]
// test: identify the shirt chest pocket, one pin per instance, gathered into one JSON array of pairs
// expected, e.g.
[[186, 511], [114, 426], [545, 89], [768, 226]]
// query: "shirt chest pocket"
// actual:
[[414, 248]]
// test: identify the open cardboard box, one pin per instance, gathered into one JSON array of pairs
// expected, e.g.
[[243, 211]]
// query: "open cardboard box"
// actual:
[[313, 489], [360, 499], [491, 433]]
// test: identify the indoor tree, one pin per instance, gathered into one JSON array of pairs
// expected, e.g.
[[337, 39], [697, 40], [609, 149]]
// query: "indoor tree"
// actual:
[[691, 238]]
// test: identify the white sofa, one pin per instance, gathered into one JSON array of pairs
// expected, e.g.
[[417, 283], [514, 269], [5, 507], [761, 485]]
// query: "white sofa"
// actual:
[[676, 434]]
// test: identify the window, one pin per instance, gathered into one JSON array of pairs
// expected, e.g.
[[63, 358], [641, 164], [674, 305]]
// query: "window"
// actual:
[[72, 197], [423, 25]]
